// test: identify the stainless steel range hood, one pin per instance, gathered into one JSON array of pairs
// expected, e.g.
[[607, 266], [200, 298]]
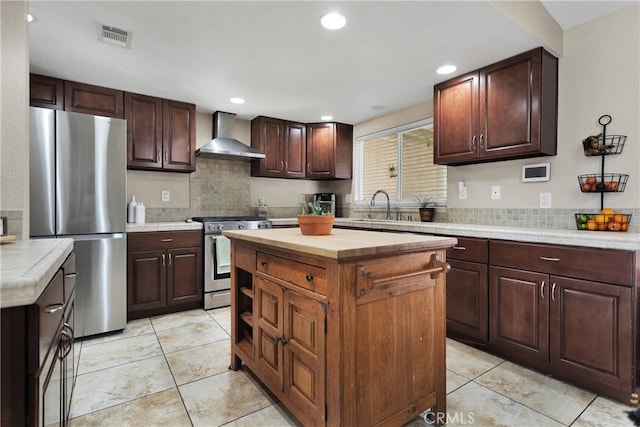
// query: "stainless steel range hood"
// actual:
[[223, 145]]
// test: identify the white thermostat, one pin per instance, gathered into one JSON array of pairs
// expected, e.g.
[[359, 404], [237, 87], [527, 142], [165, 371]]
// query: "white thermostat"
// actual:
[[536, 173]]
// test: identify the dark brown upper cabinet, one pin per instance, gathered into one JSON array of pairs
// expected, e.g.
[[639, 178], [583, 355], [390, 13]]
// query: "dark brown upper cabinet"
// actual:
[[329, 151], [504, 111], [97, 100], [160, 134], [46, 92], [284, 144]]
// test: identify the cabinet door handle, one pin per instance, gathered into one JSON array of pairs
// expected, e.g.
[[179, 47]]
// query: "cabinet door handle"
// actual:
[[553, 292], [166, 156], [263, 263], [546, 258], [159, 156], [309, 277], [542, 290], [52, 308], [460, 248], [70, 275], [163, 263], [166, 240], [169, 259], [474, 140], [286, 165], [481, 140]]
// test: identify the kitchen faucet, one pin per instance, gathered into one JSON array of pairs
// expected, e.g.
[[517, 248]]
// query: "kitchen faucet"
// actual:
[[373, 201]]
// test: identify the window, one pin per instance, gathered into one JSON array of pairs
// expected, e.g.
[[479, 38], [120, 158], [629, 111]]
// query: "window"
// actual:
[[399, 161]]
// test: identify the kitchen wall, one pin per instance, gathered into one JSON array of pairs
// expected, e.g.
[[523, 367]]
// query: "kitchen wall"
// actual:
[[598, 74], [14, 130]]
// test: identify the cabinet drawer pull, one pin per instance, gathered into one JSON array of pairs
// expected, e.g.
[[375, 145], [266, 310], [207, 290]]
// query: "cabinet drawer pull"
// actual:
[[70, 275], [546, 258], [309, 277], [553, 292], [52, 308], [263, 263], [460, 248], [542, 290], [166, 240]]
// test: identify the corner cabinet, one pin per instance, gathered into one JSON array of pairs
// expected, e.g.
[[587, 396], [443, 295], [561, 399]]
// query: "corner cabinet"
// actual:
[[316, 331], [164, 272], [46, 92], [284, 144], [567, 311], [160, 134], [329, 151], [505, 111], [468, 292]]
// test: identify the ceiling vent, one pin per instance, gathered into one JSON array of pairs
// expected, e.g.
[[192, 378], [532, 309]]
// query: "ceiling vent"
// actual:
[[113, 35]]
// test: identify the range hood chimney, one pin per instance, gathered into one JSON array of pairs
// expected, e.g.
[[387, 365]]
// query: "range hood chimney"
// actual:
[[223, 146]]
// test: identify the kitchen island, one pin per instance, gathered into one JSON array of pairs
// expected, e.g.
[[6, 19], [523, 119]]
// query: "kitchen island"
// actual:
[[345, 329]]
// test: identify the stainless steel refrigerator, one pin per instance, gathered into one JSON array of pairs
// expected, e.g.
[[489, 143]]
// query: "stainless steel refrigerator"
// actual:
[[77, 170]]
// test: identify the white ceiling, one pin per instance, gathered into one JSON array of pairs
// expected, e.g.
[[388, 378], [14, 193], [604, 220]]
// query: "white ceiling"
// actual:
[[276, 55]]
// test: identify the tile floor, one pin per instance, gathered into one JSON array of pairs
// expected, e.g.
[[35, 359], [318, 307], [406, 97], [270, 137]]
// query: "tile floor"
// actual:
[[173, 371]]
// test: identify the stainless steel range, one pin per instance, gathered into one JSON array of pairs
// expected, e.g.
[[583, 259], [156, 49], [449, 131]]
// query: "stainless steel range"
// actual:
[[217, 255]]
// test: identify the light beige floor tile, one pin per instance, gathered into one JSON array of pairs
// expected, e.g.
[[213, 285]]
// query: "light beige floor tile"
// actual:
[[605, 413], [271, 416], [119, 352], [475, 405], [191, 334], [133, 328], [222, 398], [455, 381], [176, 320], [223, 317], [199, 362], [108, 387], [558, 400], [468, 361], [164, 408]]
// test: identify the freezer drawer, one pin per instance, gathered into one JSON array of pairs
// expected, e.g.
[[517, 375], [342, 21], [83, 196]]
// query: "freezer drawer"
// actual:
[[101, 283]]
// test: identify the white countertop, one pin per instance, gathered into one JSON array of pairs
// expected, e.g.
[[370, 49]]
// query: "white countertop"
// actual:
[[27, 267], [164, 226], [594, 239]]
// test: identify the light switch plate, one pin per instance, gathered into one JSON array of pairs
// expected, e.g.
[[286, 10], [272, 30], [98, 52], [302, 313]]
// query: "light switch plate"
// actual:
[[545, 200], [166, 196]]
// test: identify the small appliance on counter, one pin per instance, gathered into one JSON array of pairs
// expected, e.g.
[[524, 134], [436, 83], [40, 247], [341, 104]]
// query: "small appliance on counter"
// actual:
[[327, 200]]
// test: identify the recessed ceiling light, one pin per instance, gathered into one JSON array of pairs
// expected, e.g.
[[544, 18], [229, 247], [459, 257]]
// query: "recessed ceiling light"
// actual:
[[30, 17], [237, 100], [326, 118], [446, 69], [333, 21]]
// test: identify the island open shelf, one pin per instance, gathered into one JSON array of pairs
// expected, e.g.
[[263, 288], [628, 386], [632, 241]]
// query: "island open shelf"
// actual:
[[346, 329]]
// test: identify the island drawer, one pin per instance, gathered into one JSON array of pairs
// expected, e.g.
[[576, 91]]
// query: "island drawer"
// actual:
[[304, 275], [603, 265], [470, 249], [157, 240]]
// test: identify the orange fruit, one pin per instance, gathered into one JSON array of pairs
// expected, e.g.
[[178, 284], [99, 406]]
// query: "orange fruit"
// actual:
[[602, 226], [625, 226], [608, 214], [591, 224], [600, 219], [614, 226], [618, 217]]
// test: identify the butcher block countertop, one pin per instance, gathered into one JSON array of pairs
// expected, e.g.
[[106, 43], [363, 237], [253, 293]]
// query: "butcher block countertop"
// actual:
[[27, 267], [341, 244]]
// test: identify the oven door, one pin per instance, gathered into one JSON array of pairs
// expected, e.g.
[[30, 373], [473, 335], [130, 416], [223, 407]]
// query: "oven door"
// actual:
[[217, 264]]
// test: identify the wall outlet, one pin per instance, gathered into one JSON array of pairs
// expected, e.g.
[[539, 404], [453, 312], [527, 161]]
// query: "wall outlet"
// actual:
[[166, 196], [495, 192], [545, 200]]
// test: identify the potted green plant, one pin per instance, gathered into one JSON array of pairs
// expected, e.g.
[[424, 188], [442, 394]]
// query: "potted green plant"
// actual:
[[427, 208], [317, 222]]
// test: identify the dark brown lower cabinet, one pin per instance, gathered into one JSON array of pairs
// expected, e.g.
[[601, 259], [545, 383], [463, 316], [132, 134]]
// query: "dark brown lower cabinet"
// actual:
[[164, 272], [576, 329]]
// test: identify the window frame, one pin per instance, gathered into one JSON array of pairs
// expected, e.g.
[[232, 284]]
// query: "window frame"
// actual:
[[360, 200]]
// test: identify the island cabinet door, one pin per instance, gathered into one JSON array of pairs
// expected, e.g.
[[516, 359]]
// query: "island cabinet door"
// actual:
[[304, 355], [269, 314], [591, 332], [519, 319]]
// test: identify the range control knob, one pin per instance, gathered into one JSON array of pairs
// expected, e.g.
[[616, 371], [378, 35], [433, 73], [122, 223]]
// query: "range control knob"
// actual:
[[211, 227], [220, 227], [241, 226]]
